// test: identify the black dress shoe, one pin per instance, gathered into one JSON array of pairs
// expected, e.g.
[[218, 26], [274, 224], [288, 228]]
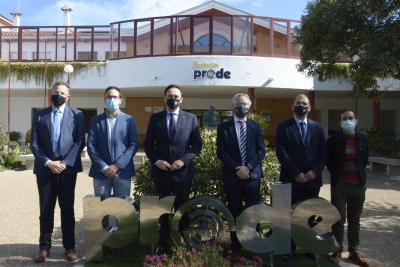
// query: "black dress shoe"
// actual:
[[288, 257], [161, 251], [312, 256]]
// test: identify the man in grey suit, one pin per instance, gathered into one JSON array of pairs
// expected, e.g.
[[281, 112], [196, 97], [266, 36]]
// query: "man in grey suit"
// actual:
[[57, 140], [302, 152], [172, 142]]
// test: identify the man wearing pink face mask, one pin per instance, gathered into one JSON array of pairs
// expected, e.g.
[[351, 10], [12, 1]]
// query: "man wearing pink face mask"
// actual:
[[347, 158]]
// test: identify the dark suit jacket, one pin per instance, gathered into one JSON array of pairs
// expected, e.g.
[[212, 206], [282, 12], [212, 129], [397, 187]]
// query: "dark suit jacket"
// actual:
[[185, 146], [295, 157], [72, 140], [125, 145], [229, 153]]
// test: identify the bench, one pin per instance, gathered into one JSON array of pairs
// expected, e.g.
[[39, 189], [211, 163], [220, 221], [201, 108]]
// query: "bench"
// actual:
[[28, 159], [378, 164]]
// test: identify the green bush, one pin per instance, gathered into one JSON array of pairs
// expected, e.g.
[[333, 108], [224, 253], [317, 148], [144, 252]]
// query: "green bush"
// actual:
[[28, 137], [3, 137], [382, 142], [9, 158], [15, 136], [208, 171]]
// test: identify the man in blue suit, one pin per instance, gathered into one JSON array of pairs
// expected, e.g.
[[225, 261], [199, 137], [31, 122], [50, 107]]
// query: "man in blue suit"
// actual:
[[241, 148], [112, 144], [172, 142], [57, 140], [302, 152]]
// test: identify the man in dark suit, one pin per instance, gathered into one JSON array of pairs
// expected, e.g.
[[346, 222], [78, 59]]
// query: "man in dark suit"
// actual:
[[172, 142], [240, 147], [57, 140], [302, 152], [112, 144]]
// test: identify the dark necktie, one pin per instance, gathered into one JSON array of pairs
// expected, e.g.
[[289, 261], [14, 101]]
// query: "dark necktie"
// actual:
[[172, 127], [243, 142], [303, 131]]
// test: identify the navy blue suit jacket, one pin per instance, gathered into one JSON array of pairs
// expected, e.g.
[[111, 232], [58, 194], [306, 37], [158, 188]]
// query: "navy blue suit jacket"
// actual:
[[295, 157], [185, 146], [72, 140], [125, 145], [229, 153]]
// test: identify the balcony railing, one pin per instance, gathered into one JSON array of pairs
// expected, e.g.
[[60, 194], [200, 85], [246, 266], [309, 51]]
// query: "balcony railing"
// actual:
[[160, 36]]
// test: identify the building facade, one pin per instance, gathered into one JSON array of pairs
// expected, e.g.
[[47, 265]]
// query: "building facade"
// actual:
[[212, 51]]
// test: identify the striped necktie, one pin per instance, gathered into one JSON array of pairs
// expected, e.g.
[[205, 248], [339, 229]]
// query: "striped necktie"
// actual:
[[243, 142]]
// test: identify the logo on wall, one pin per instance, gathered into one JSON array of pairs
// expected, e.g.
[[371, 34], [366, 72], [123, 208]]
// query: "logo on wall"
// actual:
[[209, 71]]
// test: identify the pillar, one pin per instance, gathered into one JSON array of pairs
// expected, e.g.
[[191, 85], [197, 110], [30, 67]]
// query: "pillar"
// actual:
[[376, 116], [311, 97], [250, 92]]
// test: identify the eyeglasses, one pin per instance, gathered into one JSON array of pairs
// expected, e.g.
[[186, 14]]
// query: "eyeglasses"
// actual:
[[111, 96]]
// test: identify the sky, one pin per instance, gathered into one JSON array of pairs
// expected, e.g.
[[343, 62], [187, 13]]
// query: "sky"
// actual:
[[103, 12]]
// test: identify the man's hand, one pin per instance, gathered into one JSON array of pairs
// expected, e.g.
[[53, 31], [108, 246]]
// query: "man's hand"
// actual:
[[111, 171], [177, 165], [243, 172], [300, 178], [57, 167], [310, 175], [163, 165]]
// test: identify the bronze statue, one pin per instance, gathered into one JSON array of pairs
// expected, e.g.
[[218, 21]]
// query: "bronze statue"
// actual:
[[211, 118]]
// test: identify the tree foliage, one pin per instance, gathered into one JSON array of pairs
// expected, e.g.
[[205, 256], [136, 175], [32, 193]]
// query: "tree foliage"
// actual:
[[366, 33]]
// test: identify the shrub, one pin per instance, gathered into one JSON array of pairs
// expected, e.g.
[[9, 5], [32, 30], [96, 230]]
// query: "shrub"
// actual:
[[210, 255], [8, 159], [28, 136], [3, 137], [382, 142], [15, 136]]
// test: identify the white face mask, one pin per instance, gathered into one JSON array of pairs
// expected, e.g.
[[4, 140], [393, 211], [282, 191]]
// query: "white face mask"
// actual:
[[348, 125]]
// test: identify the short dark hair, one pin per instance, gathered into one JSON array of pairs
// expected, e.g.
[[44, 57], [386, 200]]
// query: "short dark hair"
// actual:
[[115, 88], [294, 100], [172, 86], [60, 83], [345, 110]]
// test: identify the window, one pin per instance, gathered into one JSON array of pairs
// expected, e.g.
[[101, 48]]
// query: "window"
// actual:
[[87, 56], [333, 121], [88, 113], [122, 54], [317, 115], [388, 120], [218, 40], [42, 56]]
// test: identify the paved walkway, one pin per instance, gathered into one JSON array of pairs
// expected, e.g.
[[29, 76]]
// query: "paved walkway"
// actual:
[[19, 223]]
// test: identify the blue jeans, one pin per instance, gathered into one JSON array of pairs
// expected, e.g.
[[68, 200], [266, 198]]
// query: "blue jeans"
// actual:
[[121, 187]]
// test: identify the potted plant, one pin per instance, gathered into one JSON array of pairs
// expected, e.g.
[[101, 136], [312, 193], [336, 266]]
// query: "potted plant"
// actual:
[[14, 137]]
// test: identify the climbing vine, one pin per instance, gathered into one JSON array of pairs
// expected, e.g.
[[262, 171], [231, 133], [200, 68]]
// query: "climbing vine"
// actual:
[[26, 71]]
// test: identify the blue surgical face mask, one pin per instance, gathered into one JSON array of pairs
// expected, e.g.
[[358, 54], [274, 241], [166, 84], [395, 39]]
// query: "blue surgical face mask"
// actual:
[[348, 125], [112, 104]]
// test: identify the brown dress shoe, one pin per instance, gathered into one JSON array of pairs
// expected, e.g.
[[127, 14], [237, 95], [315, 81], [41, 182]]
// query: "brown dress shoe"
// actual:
[[357, 258], [71, 254], [336, 257], [42, 255], [235, 256]]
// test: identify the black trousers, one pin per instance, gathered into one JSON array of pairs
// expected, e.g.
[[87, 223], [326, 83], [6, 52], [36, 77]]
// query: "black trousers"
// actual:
[[182, 190], [51, 187], [247, 190]]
